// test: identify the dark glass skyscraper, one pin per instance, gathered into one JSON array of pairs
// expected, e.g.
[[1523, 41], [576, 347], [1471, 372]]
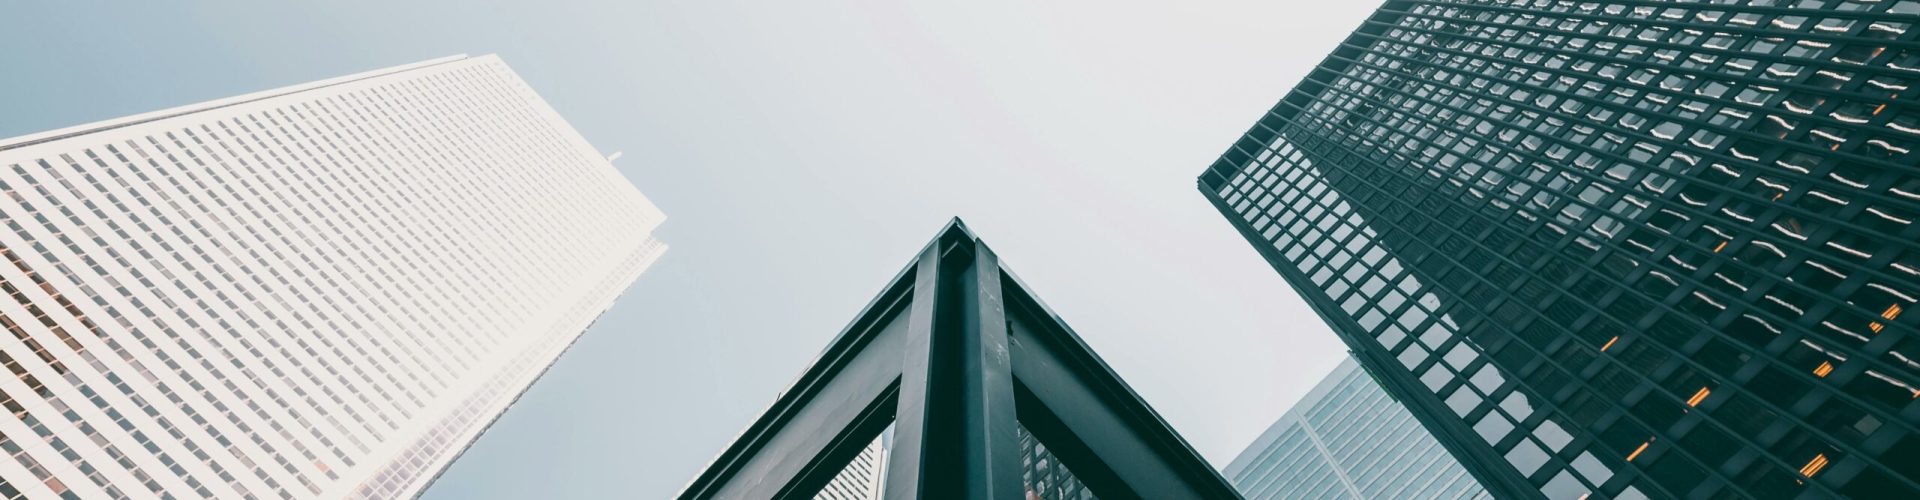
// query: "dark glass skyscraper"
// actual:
[[1616, 248]]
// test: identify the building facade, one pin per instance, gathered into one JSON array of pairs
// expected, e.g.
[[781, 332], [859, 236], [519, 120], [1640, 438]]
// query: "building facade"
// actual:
[[1616, 248], [861, 479], [1348, 439], [327, 290]]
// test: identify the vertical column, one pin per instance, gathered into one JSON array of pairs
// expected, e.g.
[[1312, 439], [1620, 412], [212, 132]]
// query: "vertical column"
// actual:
[[955, 435]]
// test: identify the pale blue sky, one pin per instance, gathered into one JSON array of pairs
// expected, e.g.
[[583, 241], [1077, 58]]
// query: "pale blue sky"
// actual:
[[803, 152]]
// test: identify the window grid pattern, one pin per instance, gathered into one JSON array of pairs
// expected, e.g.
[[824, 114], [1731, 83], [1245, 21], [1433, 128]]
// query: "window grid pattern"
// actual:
[[1634, 246], [1348, 439], [321, 291], [862, 478], [1044, 476]]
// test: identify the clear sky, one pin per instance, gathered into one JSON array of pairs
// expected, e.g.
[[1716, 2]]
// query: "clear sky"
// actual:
[[803, 152]]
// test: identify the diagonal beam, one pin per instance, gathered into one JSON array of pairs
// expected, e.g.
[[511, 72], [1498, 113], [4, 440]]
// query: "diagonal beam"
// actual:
[[838, 406], [956, 431], [957, 355]]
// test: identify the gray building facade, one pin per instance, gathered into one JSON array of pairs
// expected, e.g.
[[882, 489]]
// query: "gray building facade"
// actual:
[[1348, 439]]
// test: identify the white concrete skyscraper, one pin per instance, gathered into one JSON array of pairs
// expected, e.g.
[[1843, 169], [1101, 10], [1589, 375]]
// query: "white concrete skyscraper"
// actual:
[[326, 290], [862, 479]]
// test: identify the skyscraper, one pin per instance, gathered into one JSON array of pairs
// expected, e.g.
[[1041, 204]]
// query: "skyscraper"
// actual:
[[1619, 248], [862, 478], [326, 290], [1349, 439]]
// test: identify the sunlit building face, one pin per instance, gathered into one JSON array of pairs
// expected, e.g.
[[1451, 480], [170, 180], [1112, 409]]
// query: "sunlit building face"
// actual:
[[1621, 249], [326, 290]]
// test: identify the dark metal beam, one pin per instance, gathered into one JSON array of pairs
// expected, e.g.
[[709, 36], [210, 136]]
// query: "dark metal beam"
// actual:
[[957, 356], [956, 432], [851, 386], [1098, 422]]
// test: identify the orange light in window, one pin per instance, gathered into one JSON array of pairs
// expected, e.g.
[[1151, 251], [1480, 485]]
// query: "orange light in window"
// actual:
[[1723, 246], [1825, 368], [1616, 338], [1637, 451], [1776, 196], [1893, 311], [1883, 107], [1698, 396], [1813, 466]]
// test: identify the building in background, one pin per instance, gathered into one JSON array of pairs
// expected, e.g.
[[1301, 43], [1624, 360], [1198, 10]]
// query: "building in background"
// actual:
[[327, 290], [1618, 248], [864, 478], [1348, 439]]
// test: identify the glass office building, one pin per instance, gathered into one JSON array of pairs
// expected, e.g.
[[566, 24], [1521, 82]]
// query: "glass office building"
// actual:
[[321, 291], [1349, 439], [1616, 248]]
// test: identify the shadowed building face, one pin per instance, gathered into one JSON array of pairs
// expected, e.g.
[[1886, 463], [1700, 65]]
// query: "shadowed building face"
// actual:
[[1616, 248]]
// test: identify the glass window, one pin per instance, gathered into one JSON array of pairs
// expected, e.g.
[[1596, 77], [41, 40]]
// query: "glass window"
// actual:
[[1340, 259], [1354, 303], [1392, 301], [1463, 401], [1591, 468], [1375, 256], [1436, 378], [1527, 457], [1371, 319], [1517, 405], [1564, 487], [1413, 356], [1551, 434], [1436, 336], [1373, 285], [1355, 273], [1391, 336], [1461, 356], [1045, 477], [1429, 301], [1487, 379], [1493, 427], [1413, 317]]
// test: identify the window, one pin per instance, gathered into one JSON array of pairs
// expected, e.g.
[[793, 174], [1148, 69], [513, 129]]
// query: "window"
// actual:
[[1527, 457]]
